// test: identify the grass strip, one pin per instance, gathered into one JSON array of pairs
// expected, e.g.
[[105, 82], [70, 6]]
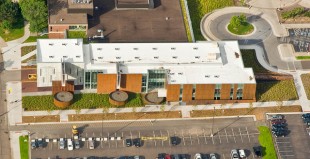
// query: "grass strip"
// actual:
[[265, 140], [23, 146]]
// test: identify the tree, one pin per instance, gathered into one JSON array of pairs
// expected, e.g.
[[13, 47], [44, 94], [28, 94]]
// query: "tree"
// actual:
[[236, 21], [35, 11], [9, 11], [6, 25]]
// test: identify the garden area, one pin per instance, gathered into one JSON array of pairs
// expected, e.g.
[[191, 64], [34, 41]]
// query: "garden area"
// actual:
[[23, 146], [265, 140], [303, 57], [238, 25], [294, 15], [198, 8], [306, 82], [80, 101], [276, 91], [27, 49]]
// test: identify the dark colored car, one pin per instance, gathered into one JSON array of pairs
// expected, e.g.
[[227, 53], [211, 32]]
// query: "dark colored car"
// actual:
[[174, 140], [128, 142], [123, 157], [34, 143], [278, 121], [184, 156], [306, 120], [279, 124], [279, 133], [137, 142], [305, 115], [161, 156], [40, 142], [278, 127], [257, 151]]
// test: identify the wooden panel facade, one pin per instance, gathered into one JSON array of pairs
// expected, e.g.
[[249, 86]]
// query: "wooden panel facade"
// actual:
[[249, 91], [106, 83], [225, 91], [173, 92], [187, 92], [131, 82], [204, 91], [57, 87]]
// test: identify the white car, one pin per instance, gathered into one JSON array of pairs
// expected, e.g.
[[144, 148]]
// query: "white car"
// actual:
[[234, 154], [242, 153], [198, 156], [213, 156], [70, 144], [91, 143]]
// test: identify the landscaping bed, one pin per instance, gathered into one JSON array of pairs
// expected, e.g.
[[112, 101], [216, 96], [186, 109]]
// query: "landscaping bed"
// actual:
[[43, 118], [125, 116], [259, 112], [306, 82], [27, 49], [265, 140], [294, 14], [35, 38], [80, 101], [303, 57], [242, 29], [185, 18], [23, 146], [276, 91]]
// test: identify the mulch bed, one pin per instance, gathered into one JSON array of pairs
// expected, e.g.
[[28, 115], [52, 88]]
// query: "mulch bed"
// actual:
[[258, 112], [124, 116], [40, 119]]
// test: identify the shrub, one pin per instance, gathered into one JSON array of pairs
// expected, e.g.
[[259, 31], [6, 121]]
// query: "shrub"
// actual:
[[293, 13], [6, 25]]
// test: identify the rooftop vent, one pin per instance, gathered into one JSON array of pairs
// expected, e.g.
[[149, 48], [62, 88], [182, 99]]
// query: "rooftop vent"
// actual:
[[51, 44], [173, 48], [135, 48], [173, 80], [217, 76], [174, 57], [197, 57], [156, 57], [154, 48], [118, 57], [180, 73], [99, 49], [237, 55], [137, 57], [207, 76], [117, 48], [251, 78], [65, 56], [100, 57], [172, 73], [77, 44], [64, 44], [195, 48], [61, 19]]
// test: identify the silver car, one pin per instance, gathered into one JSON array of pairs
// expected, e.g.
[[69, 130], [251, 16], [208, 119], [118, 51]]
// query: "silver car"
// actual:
[[61, 143], [212, 156], [234, 154]]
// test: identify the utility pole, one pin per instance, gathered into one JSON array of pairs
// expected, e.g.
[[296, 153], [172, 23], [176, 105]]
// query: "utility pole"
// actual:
[[212, 122]]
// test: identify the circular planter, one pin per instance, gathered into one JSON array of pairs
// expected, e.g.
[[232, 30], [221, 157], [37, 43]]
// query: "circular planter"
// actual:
[[63, 99], [153, 98], [118, 98]]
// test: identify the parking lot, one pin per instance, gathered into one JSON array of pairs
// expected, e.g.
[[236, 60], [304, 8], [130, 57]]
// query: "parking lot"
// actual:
[[194, 137], [299, 38], [296, 143]]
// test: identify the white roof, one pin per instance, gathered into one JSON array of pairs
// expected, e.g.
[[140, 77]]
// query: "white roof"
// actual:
[[56, 50]]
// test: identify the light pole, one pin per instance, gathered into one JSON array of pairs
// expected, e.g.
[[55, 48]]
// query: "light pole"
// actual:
[[212, 122]]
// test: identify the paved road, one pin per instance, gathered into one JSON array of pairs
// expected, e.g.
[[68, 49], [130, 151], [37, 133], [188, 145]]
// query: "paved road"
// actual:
[[194, 137]]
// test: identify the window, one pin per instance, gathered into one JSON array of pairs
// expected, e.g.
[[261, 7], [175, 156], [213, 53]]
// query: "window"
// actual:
[[181, 91], [194, 92], [240, 92], [137, 57], [144, 83], [232, 91], [156, 79], [100, 57], [217, 92]]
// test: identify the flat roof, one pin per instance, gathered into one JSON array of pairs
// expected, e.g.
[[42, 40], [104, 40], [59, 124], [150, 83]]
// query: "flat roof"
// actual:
[[133, 1], [58, 13]]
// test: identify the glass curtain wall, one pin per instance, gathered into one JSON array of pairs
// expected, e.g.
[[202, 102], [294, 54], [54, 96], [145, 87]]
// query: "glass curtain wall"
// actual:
[[91, 79], [156, 79], [240, 91]]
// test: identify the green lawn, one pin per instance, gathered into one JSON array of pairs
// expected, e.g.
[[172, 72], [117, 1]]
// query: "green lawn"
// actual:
[[306, 82], [243, 29], [23, 145], [34, 38], [303, 57], [276, 91], [81, 101], [198, 8], [27, 49], [16, 32], [76, 34], [250, 60], [265, 140], [185, 18]]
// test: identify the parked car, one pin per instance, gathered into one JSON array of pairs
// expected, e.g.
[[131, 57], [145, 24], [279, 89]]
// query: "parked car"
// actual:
[[175, 156], [137, 157], [306, 120], [213, 156], [174, 140], [278, 121], [234, 154], [307, 115], [123, 157], [137, 142], [277, 116], [76, 142], [70, 144], [197, 156], [167, 156], [91, 143], [161, 156], [242, 153], [184, 156], [278, 133], [34, 143], [257, 151], [61, 143], [40, 142], [280, 124], [128, 142]]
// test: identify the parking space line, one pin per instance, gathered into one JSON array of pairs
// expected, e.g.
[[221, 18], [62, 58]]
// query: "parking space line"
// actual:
[[162, 141], [154, 137], [233, 134], [183, 137], [197, 136], [109, 140], [224, 156], [204, 135], [130, 135], [101, 144], [218, 132], [241, 135], [212, 137], [168, 137], [226, 135], [190, 137], [139, 135], [246, 128]]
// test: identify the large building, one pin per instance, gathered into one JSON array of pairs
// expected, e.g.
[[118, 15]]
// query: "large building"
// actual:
[[189, 72]]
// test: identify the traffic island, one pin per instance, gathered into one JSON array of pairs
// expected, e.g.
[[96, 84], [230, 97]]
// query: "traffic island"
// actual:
[[238, 25]]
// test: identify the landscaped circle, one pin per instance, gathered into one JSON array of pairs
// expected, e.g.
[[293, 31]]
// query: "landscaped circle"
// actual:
[[244, 28]]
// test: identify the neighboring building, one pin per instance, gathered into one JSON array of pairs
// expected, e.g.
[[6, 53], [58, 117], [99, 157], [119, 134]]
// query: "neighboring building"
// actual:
[[67, 15], [190, 72]]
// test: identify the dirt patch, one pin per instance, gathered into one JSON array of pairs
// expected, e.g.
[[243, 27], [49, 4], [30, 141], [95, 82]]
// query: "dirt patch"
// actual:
[[306, 82], [124, 116], [258, 112], [40, 119]]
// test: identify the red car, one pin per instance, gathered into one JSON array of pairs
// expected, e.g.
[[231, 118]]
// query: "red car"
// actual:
[[167, 156], [278, 121]]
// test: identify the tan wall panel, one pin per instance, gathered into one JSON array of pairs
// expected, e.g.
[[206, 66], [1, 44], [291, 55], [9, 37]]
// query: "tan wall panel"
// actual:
[[204, 91], [173, 92], [249, 91], [106, 83], [131, 82], [225, 91], [187, 92]]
